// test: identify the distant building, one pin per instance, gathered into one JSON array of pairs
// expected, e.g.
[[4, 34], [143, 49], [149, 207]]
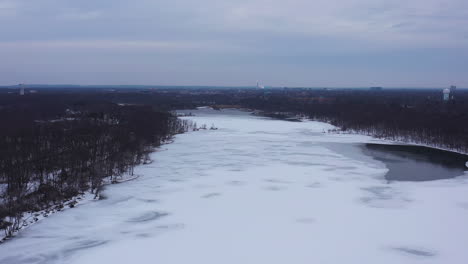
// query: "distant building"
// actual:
[[376, 88], [446, 94], [21, 90], [453, 88], [259, 86]]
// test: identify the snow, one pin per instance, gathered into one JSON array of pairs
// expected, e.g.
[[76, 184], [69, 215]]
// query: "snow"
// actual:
[[31, 218], [257, 191]]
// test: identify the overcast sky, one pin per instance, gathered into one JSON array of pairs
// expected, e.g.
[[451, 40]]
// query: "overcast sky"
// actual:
[[333, 43]]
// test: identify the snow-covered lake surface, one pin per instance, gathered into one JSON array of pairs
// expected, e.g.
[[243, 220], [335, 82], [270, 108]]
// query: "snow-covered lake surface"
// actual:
[[257, 191]]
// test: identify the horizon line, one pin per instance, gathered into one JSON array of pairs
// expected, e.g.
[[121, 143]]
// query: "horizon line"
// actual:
[[220, 86]]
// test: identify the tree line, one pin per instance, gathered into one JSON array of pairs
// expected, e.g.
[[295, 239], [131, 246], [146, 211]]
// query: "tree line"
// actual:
[[418, 116], [53, 150]]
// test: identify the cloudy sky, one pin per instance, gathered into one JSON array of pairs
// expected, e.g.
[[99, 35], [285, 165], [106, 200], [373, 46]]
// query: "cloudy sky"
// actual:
[[333, 43]]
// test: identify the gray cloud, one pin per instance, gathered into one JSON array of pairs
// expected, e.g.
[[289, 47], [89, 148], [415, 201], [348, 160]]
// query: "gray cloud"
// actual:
[[235, 42]]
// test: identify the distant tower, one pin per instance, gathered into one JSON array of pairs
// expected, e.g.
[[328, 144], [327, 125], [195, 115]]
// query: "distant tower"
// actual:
[[453, 88], [446, 94], [260, 86], [21, 91]]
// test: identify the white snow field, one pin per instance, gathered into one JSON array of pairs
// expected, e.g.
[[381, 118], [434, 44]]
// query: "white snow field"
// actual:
[[257, 191]]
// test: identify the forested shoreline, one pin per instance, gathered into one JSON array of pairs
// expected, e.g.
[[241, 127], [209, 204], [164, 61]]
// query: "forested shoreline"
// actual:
[[58, 143], [419, 117], [54, 148]]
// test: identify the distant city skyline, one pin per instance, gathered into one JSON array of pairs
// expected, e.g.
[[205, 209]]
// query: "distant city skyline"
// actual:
[[321, 43], [158, 86]]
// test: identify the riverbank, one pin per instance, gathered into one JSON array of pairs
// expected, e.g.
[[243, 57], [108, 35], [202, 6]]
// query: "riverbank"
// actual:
[[290, 116], [33, 217]]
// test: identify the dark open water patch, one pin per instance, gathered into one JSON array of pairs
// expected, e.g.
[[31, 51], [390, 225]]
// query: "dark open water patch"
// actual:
[[417, 163]]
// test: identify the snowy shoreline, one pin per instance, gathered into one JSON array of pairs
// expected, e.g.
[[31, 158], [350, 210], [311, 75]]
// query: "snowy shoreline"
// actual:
[[286, 116], [397, 142], [31, 218]]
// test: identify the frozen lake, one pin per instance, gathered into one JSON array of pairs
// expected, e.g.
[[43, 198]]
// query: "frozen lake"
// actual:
[[258, 191]]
